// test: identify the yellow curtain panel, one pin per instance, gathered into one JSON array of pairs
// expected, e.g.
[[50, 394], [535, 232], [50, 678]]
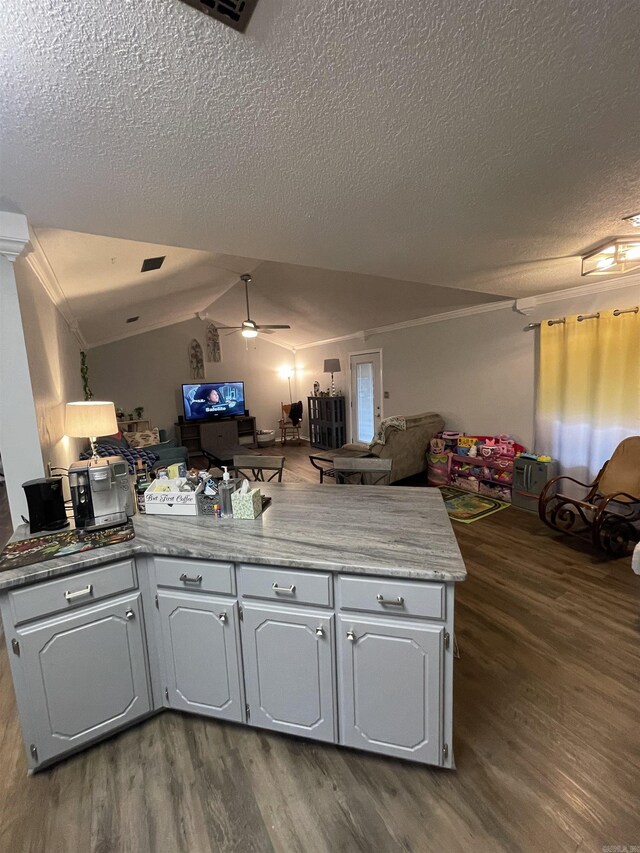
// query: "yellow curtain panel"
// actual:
[[588, 389]]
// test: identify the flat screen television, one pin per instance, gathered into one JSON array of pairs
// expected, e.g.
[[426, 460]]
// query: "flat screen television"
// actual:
[[210, 400]]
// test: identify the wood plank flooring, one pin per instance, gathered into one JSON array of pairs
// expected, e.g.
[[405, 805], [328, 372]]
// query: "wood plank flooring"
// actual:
[[547, 738]]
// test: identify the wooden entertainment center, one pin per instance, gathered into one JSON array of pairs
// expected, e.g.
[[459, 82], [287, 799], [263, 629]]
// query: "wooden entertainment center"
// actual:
[[218, 435]]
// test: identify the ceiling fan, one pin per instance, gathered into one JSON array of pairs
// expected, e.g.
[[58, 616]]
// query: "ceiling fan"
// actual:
[[249, 328]]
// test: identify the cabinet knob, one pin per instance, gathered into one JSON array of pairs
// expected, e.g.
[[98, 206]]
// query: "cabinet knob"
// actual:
[[130, 614], [351, 636], [222, 617], [319, 631]]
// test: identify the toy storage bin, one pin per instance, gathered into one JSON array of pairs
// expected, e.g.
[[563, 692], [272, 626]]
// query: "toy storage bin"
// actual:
[[466, 484], [497, 491]]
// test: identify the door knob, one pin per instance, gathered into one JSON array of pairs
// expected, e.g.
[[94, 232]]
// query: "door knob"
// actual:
[[351, 636], [130, 614], [319, 631], [222, 617]]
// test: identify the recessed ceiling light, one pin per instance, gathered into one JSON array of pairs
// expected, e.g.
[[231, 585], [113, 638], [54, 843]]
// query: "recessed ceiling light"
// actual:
[[613, 258], [133, 319], [634, 219], [152, 264]]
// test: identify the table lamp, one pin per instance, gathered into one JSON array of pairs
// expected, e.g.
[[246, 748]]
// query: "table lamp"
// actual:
[[332, 365], [89, 419]]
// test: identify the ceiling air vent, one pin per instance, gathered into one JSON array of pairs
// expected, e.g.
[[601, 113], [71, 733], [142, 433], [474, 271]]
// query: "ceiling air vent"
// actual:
[[234, 13], [152, 264]]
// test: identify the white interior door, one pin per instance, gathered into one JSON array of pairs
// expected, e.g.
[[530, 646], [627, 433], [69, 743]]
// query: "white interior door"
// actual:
[[366, 394]]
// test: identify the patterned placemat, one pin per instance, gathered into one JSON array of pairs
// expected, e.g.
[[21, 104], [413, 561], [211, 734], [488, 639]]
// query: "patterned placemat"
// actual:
[[467, 507], [36, 549]]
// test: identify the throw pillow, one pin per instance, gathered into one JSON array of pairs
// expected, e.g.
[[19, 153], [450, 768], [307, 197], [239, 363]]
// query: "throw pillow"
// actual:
[[147, 438], [117, 438]]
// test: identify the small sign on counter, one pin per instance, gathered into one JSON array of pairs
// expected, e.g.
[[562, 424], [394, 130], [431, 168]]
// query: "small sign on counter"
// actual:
[[163, 497]]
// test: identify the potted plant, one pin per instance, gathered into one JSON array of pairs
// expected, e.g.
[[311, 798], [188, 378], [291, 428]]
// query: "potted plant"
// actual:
[[139, 411]]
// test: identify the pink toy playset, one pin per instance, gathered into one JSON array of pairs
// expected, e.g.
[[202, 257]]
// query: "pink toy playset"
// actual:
[[475, 463]]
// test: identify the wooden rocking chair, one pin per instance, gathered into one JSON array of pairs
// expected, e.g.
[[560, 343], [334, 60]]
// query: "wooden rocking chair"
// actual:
[[610, 511], [288, 430]]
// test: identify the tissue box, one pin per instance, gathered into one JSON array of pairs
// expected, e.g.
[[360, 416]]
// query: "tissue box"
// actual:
[[247, 506]]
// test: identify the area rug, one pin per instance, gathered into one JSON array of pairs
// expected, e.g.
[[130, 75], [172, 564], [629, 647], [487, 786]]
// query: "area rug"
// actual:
[[467, 507]]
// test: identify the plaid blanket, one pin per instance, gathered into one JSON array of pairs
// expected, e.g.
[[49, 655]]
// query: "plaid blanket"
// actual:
[[130, 454]]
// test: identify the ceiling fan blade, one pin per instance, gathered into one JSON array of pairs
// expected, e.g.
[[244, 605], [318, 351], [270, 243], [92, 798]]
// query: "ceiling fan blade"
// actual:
[[271, 326]]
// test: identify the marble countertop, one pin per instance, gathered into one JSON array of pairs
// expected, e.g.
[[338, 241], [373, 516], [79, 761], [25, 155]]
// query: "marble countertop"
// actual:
[[395, 531]]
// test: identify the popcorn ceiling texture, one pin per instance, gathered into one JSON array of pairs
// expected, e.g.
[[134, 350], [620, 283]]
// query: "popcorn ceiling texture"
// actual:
[[469, 144]]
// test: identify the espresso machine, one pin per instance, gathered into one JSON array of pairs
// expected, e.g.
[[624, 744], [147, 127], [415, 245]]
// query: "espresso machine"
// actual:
[[100, 492]]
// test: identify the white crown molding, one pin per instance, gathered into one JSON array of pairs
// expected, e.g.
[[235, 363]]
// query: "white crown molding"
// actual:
[[324, 341], [418, 321], [42, 269], [14, 234], [602, 285], [526, 305]]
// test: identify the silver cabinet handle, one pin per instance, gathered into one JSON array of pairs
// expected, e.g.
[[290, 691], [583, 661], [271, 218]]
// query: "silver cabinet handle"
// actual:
[[88, 590], [222, 617], [130, 614], [319, 631], [396, 602], [351, 636], [284, 590], [186, 579]]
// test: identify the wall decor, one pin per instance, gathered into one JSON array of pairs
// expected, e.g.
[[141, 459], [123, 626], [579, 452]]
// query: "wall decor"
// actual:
[[213, 344], [196, 361]]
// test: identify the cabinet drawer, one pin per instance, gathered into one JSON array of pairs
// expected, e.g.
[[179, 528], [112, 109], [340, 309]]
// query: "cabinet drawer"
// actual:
[[393, 598], [286, 585], [49, 597], [195, 575]]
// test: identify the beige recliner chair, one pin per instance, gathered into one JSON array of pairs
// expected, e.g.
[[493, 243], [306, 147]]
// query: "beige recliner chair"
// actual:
[[407, 448]]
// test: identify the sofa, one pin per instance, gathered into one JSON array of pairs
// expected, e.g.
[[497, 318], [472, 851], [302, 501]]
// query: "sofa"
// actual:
[[167, 452], [406, 448]]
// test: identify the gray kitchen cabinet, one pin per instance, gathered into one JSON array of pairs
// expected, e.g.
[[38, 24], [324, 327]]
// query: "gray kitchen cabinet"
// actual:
[[83, 675], [289, 669], [391, 686], [200, 657]]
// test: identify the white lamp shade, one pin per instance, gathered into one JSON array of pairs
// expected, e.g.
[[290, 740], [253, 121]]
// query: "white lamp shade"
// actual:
[[90, 418], [332, 365]]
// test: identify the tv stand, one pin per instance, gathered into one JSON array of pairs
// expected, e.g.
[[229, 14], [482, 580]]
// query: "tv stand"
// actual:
[[216, 435]]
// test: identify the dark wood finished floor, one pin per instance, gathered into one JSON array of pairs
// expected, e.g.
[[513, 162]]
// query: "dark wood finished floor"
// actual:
[[547, 738]]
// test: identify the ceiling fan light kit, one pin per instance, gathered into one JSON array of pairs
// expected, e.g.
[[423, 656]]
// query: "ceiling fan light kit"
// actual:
[[249, 328]]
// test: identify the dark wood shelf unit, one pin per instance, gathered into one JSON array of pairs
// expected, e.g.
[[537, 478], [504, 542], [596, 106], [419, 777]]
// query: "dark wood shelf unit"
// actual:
[[225, 432], [327, 423]]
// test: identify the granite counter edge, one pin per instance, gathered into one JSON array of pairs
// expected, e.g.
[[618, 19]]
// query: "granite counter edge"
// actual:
[[49, 569]]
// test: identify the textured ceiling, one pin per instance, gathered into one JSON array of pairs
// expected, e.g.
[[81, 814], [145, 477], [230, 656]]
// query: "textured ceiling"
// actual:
[[477, 145]]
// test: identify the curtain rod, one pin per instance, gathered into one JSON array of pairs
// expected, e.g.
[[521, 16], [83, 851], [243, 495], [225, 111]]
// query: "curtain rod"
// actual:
[[617, 312]]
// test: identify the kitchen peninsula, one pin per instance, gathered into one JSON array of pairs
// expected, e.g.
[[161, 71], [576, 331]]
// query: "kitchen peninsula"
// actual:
[[330, 616]]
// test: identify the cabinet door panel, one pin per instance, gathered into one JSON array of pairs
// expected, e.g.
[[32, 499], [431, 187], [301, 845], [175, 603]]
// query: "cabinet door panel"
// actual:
[[86, 674], [200, 651], [288, 659], [391, 687]]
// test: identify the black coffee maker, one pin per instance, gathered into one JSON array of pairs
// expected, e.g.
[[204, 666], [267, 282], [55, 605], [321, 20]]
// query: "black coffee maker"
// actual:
[[45, 500]]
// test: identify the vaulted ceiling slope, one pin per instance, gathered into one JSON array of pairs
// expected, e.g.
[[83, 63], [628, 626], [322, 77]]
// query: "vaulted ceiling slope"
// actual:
[[476, 145], [98, 285]]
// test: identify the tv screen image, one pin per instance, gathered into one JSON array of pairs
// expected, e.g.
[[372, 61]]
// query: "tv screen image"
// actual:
[[210, 400]]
